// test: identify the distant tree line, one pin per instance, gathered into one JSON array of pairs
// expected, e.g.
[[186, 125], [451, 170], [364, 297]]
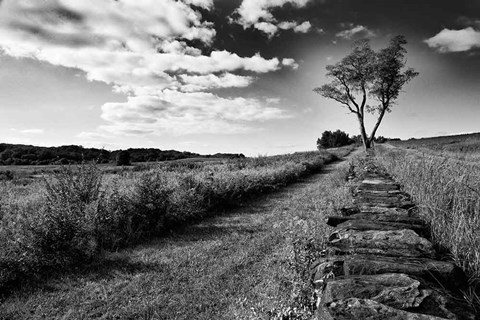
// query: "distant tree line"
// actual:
[[340, 138], [17, 154]]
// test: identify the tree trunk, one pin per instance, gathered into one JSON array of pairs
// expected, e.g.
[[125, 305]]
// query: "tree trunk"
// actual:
[[374, 131], [363, 133]]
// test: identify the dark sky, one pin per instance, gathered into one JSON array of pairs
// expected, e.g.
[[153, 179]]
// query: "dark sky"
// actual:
[[223, 75]]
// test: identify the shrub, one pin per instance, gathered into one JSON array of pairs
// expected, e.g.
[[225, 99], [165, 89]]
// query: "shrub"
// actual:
[[67, 222], [333, 139]]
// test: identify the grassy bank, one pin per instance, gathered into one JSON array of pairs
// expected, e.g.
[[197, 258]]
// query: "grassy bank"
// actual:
[[250, 263], [70, 217], [447, 191]]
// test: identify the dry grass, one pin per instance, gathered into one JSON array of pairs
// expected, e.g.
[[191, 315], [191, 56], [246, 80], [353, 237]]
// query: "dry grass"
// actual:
[[462, 147], [447, 190], [251, 263]]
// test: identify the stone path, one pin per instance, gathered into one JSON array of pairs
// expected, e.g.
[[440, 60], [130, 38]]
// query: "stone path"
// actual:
[[380, 264]]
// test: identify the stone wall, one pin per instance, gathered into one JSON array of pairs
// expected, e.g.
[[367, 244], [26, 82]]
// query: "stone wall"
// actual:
[[379, 263]]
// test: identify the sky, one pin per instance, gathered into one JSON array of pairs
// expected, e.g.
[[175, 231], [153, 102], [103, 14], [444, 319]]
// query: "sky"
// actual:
[[233, 76]]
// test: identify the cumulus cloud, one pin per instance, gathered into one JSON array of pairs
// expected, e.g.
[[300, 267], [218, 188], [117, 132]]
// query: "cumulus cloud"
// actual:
[[205, 4], [192, 83], [143, 48], [290, 63], [303, 27], [455, 40], [257, 14], [185, 113], [355, 31]]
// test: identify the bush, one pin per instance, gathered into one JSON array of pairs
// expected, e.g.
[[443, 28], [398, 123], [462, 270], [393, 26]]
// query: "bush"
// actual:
[[66, 228], [333, 139]]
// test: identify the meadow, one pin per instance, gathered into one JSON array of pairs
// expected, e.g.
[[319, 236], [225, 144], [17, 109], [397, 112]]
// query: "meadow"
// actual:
[[74, 214], [444, 179], [462, 147]]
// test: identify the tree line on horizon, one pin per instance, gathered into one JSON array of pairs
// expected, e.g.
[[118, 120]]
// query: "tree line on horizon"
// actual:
[[17, 154]]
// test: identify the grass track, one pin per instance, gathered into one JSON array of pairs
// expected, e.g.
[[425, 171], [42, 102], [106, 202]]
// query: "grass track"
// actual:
[[248, 264]]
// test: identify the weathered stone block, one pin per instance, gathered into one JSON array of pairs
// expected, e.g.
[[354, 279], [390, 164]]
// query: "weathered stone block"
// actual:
[[396, 290], [434, 271], [364, 224], [365, 309], [404, 242]]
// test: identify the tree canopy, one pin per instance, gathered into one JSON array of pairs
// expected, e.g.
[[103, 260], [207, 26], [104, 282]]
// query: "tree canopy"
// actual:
[[364, 74]]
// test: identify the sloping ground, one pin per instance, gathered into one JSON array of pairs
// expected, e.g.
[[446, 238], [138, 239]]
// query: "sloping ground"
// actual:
[[249, 264], [380, 263]]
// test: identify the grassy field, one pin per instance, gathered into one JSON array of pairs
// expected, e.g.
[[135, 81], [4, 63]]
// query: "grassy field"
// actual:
[[249, 263], [73, 215], [462, 147], [25, 174], [447, 190]]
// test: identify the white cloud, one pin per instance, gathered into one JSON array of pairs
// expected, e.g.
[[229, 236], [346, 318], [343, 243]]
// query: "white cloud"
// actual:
[[292, 25], [357, 31], [269, 28], [192, 83], [141, 48], [290, 63], [206, 4], [256, 13], [303, 27], [455, 40], [186, 113], [29, 131]]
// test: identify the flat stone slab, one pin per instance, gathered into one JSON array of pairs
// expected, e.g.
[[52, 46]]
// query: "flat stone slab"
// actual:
[[380, 192], [378, 187], [396, 290], [367, 205], [405, 243], [336, 220], [434, 271], [365, 224], [399, 291], [365, 309], [378, 181], [391, 211]]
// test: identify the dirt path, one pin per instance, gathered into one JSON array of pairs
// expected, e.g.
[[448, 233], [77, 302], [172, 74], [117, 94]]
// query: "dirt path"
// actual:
[[249, 264]]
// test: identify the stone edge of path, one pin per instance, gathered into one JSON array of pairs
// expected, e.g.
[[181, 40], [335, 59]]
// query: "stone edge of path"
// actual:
[[380, 264]]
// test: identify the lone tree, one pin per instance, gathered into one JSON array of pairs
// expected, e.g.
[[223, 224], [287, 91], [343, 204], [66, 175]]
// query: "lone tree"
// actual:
[[365, 74]]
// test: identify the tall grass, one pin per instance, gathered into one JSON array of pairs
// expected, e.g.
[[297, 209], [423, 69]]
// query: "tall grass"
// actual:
[[447, 191], [72, 215]]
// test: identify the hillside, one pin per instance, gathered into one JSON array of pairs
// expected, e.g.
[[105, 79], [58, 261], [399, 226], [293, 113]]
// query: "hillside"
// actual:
[[18, 154], [466, 143]]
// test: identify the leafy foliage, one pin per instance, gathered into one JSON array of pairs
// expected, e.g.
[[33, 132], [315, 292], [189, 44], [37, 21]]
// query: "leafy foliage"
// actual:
[[333, 139]]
